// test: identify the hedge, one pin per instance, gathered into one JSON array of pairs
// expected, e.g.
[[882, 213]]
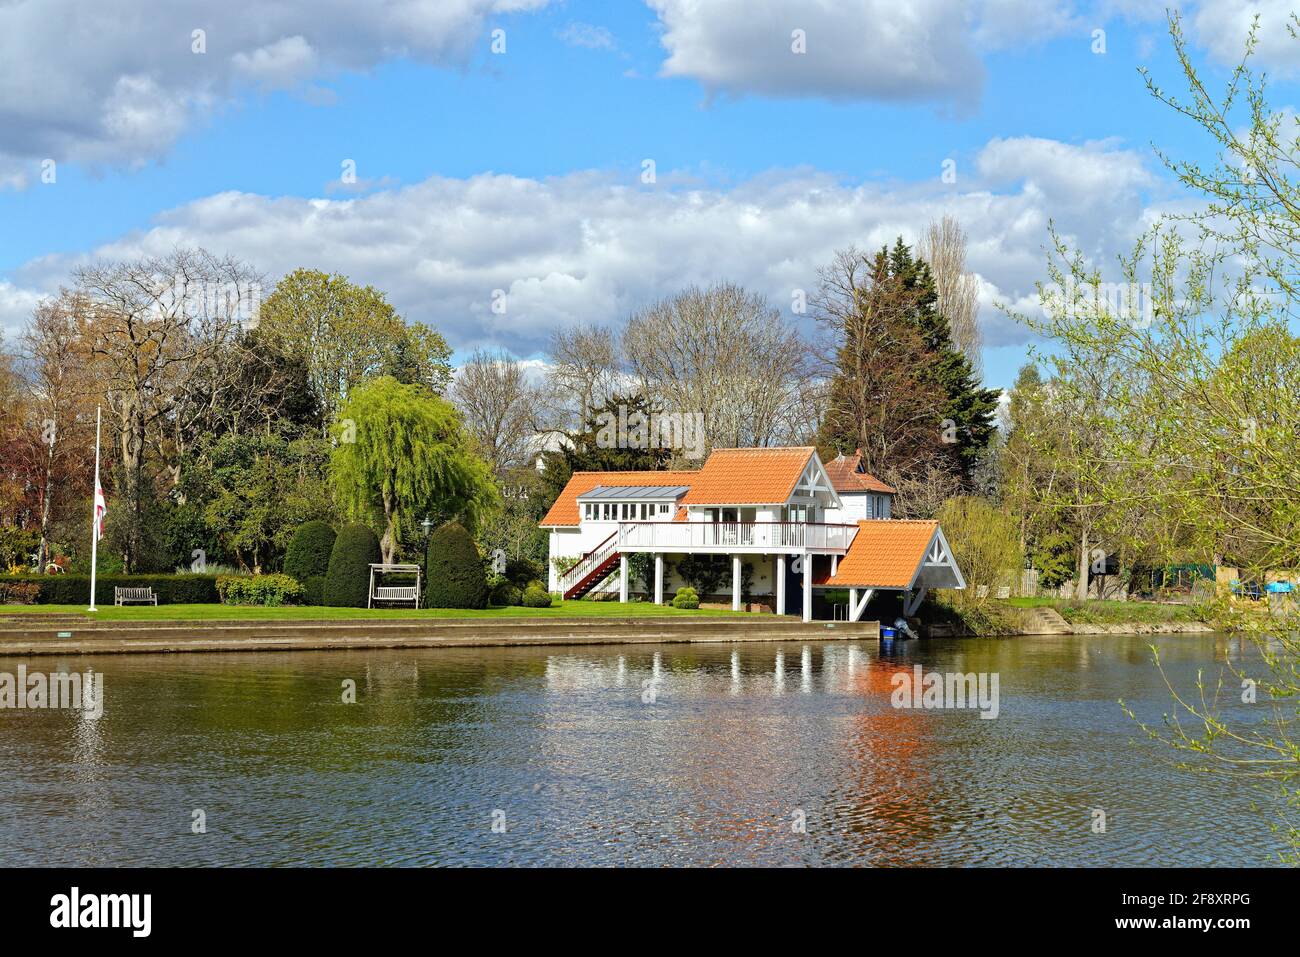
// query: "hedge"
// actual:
[[75, 589], [347, 580], [308, 554], [457, 578], [258, 589]]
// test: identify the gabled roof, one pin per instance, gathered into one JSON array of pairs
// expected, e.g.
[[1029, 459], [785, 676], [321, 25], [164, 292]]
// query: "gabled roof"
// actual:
[[748, 476], [847, 475], [885, 553], [565, 510]]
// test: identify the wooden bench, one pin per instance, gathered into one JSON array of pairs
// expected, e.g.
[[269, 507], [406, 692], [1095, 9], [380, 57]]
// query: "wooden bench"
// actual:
[[397, 593], [144, 595]]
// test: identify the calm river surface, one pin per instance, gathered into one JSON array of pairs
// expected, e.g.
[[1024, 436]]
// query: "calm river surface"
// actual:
[[738, 743]]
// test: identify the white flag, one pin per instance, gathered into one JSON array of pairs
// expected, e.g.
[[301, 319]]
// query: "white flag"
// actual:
[[101, 506]]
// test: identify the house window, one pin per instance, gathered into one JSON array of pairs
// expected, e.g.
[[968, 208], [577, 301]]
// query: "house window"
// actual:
[[663, 508]]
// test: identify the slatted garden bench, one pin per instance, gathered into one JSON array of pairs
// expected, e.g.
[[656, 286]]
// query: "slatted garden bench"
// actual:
[[398, 593], [144, 595]]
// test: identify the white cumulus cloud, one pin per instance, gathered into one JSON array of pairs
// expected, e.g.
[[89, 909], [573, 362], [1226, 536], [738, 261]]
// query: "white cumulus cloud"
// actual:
[[594, 247]]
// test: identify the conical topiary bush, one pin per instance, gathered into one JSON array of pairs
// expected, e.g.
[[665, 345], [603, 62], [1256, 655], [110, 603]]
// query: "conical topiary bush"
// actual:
[[347, 581], [309, 551], [456, 576]]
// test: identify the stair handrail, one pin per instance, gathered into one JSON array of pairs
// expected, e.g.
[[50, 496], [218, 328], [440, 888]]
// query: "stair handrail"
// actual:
[[564, 575]]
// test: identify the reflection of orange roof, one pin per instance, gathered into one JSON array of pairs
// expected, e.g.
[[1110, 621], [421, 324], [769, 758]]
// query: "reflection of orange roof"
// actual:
[[565, 509], [885, 554], [748, 476], [845, 477]]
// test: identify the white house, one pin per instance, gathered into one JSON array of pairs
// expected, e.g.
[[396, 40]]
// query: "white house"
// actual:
[[797, 523]]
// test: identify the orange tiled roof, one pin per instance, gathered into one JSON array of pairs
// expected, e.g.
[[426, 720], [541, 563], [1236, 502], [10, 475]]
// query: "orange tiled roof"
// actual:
[[845, 477], [748, 476], [565, 509], [885, 554]]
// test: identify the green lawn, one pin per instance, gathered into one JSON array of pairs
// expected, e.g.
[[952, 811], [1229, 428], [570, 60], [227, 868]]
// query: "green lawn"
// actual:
[[1096, 611], [568, 609]]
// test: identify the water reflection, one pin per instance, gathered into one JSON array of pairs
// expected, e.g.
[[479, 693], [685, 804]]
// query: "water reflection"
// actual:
[[680, 754]]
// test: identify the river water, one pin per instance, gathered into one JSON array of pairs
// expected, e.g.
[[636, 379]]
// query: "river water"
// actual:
[[776, 754]]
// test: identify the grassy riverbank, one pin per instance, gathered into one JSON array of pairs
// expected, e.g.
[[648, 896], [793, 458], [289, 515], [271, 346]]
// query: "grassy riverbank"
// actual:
[[1004, 616], [566, 609]]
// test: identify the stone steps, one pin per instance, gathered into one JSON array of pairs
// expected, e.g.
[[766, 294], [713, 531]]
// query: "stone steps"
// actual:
[[1043, 620], [109, 637]]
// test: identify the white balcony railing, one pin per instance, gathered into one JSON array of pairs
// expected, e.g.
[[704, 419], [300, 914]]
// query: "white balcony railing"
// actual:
[[743, 536]]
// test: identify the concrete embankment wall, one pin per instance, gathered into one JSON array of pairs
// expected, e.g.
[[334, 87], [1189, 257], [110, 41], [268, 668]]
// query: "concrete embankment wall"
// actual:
[[127, 637]]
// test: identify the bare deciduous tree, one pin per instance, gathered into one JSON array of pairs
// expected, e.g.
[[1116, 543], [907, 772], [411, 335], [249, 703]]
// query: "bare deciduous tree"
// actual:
[[498, 402], [944, 248], [55, 357], [155, 326], [583, 372], [726, 353]]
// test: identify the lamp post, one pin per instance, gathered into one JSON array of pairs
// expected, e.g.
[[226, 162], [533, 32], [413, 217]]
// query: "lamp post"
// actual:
[[427, 525]]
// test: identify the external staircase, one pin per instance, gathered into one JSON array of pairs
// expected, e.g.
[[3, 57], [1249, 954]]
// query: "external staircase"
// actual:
[[590, 570]]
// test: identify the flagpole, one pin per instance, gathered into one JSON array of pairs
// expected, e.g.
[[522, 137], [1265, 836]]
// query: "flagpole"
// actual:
[[94, 518]]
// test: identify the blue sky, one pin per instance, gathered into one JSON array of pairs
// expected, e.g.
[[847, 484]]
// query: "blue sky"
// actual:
[[521, 171]]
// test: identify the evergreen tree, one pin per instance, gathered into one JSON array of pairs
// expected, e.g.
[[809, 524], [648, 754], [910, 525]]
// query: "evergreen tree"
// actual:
[[902, 391]]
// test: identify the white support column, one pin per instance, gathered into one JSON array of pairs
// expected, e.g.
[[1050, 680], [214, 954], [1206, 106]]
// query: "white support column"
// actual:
[[622, 578], [912, 601], [807, 587], [835, 564], [735, 583], [856, 608], [659, 578], [780, 584]]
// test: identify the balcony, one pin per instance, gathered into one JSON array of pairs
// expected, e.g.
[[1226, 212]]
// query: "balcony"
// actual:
[[729, 537]]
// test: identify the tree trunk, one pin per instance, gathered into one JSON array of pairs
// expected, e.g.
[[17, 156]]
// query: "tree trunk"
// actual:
[[1081, 583], [388, 544], [132, 440], [43, 550]]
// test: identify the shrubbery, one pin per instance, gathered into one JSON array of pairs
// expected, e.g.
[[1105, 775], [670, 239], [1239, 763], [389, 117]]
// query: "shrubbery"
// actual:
[[347, 580], [686, 597], [258, 589], [457, 578], [313, 590], [308, 554], [535, 596], [19, 593], [521, 571], [75, 589], [505, 593]]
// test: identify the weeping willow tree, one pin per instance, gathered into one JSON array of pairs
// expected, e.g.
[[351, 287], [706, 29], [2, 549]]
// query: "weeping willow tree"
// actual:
[[400, 452], [1180, 367]]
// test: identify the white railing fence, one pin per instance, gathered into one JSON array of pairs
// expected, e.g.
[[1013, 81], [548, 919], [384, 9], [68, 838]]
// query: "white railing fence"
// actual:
[[589, 562], [776, 536]]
